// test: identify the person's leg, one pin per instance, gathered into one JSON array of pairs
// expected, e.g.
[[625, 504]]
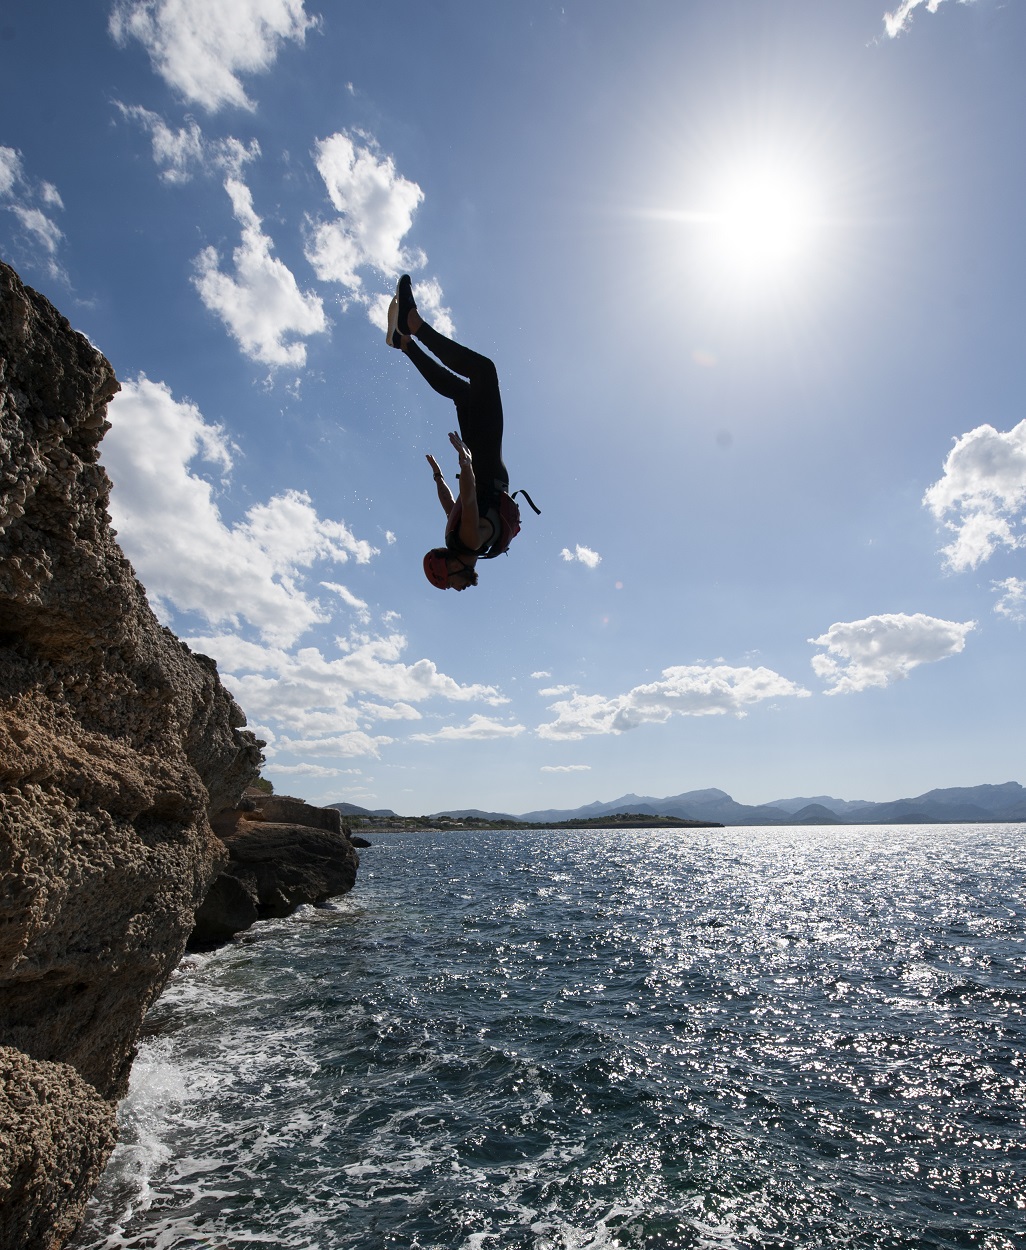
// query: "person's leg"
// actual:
[[478, 369], [439, 379], [478, 409]]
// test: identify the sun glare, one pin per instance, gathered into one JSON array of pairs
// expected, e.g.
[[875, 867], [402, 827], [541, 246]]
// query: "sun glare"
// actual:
[[762, 222]]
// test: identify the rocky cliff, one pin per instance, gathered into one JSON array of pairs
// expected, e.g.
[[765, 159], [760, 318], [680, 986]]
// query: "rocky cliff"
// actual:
[[281, 853], [117, 747]]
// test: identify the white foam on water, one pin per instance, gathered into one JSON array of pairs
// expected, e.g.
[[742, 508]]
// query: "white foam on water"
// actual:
[[562, 1235], [157, 1087]]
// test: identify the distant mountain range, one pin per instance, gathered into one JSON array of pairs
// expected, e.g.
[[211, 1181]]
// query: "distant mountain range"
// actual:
[[958, 804]]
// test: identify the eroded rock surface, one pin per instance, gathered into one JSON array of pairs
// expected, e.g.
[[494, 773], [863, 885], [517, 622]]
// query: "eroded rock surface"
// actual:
[[282, 852], [56, 1132], [117, 743]]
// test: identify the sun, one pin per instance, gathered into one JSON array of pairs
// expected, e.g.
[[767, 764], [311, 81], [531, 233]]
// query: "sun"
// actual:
[[762, 221]]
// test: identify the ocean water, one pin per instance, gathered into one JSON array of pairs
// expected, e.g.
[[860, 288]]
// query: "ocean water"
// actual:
[[798, 1037]]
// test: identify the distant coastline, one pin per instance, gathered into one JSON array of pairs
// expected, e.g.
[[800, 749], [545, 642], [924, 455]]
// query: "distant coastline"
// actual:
[[984, 804], [409, 824]]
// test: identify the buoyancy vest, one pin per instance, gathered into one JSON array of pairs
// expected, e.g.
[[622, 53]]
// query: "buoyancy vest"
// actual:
[[504, 515]]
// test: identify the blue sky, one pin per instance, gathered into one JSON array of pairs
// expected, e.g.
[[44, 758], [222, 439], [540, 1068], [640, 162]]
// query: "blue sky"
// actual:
[[753, 279]]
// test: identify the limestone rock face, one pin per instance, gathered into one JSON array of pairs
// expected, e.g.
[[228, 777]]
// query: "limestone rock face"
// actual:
[[282, 852], [57, 1131], [117, 744]]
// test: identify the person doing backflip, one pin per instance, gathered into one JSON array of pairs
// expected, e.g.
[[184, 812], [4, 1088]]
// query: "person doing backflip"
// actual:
[[482, 521]]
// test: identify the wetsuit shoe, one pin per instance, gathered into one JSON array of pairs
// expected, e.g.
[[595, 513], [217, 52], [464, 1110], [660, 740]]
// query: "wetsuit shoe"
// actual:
[[406, 303], [391, 333]]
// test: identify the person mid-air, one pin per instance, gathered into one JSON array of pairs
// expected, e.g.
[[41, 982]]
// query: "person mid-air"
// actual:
[[484, 519]]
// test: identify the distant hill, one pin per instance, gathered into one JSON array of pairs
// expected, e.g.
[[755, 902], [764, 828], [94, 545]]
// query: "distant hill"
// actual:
[[1005, 802], [815, 814], [709, 805], [969, 804], [840, 807], [350, 809]]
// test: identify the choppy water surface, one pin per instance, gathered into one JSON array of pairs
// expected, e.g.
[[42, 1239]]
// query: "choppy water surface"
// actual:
[[721, 1038]]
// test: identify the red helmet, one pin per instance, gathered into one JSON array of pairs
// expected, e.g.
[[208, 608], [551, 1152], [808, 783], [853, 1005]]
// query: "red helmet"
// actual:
[[436, 567]]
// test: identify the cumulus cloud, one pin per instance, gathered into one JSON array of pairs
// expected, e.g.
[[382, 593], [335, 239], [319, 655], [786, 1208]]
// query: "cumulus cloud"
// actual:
[[478, 728], [541, 673], [685, 690], [172, 530], [22, 196], [311, 770], [350, 745], [308, 696], [376, 206], [201, 49], [1013, 598], [983, 491], [552, 692], [311, 706], [881, 649], [566, 768], [585, 555], [180, 152], [261, 305]]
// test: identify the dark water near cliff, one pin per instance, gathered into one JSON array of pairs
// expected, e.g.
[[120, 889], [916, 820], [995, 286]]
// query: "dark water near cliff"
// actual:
[[725, 1038]]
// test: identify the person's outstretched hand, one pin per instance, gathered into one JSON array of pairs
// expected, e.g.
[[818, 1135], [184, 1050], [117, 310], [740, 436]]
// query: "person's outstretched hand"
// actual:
[[462, 450], [436, 471]]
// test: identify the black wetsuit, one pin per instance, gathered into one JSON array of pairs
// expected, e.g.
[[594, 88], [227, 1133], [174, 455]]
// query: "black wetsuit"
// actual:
[[475, 392]]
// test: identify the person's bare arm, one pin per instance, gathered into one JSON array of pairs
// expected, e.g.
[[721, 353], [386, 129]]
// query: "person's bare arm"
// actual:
[[445, 497], [470, 522]]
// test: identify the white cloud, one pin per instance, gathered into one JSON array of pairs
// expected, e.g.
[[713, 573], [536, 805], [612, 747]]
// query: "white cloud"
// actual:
[[477, 729], [566, 768], [181, 151], [553, 692], [881, 649], [310, 770], [376, 206], [394, 711], [1013, 602], [47, 233], [347, 745], [42, 236], [541, 673], [900, 20], [11, 171], [261, 305], [591, 559], [172, 531], [984, 484], [201, 48], [316, 698], [359, 606], [685, 690]]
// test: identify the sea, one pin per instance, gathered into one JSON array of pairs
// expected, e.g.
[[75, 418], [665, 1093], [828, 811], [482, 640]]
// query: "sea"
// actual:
[[757, 1038]]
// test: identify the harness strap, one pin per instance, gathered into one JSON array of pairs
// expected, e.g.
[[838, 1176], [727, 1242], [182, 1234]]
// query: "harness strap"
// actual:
[[534, 506]]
